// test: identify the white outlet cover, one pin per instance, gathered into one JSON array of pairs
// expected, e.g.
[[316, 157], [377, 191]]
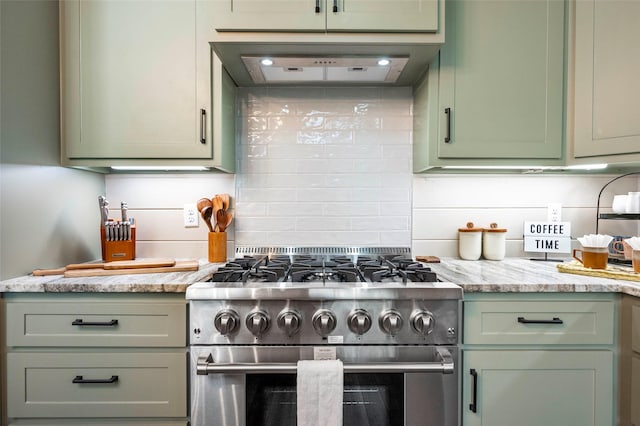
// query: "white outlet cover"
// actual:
[[190, 216], [554, 212]]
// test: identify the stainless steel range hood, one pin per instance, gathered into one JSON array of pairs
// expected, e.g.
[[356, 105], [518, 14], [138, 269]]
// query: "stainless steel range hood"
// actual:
[[326, 63], [325, 69]]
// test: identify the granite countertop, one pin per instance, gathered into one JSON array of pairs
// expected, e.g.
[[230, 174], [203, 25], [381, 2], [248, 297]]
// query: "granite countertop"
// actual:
[[511, 275], [166, 282], [519, 275]]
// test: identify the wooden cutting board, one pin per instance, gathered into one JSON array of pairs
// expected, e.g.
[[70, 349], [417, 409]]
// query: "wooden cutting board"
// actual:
[[428, 259], [180, 266], [120, 264]]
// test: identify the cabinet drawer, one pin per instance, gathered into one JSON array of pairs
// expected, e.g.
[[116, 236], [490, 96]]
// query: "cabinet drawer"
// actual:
[[96, 324], [538, 322], [136, 384]]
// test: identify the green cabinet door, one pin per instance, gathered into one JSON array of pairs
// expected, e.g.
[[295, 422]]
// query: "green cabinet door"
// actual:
[[383, 15], [266, 15], [501, 80], [607, 87], [327, 15], [537, 388]]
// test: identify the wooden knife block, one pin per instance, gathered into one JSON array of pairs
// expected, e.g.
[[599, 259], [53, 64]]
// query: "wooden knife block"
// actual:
[[118, 250]]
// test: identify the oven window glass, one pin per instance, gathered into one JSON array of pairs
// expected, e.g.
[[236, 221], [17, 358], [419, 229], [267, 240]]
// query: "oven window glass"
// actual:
[[369, 399]]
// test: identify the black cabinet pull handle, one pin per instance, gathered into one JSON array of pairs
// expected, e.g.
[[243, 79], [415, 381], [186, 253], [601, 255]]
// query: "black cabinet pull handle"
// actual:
[[203, 126], [447, 138], [80, 322], [335, 6], [474, 395], [317, 6], [79, 379], [555, 320]]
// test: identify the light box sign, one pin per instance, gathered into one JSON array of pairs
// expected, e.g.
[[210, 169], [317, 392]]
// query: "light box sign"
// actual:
[[547, 237]]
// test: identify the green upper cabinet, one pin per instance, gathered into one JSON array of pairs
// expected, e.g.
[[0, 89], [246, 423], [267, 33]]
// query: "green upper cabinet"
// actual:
[[607, 87], [327, 15], [496, 92], [137, 82]]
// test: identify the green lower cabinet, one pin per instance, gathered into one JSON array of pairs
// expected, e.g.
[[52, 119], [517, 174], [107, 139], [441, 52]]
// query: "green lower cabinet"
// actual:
[[537, 387]]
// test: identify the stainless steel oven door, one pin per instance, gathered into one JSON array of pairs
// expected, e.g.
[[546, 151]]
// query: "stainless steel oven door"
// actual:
[[384, 385]]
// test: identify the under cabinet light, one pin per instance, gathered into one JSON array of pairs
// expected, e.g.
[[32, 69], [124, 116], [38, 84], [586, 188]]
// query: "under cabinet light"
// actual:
[[382, 62], [530, 168], [161, 168], [587, 167]]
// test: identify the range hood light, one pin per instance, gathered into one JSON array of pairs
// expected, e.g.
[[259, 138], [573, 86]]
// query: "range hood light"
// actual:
[[266, 62], [383, 62]]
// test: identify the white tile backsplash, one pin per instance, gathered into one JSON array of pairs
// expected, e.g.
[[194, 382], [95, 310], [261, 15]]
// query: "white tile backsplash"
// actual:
[[332, 166], [351, 156]]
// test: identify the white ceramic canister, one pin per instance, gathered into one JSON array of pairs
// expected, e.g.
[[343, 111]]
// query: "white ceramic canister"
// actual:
[[470, 242], [494, 242]]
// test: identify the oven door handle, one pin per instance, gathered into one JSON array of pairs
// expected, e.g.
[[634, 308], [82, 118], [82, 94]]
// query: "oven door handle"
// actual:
[[206, 366]]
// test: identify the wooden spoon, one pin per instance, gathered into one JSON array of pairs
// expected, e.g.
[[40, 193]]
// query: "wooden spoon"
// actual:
[[202, 203], [206, 213], [221, 220], [225, 201], [217, 203], [229, 218]]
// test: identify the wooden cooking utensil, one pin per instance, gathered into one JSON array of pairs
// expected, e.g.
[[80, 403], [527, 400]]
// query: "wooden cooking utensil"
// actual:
[[202, 203], [221, 220], [206, 213], [225, 201], [217, 204], [228, 219]]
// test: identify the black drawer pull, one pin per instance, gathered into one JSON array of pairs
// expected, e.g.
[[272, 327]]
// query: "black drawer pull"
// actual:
[[80, 322], [474, 396], [555, 320], [79, 379], [447, 138], [203, 126]]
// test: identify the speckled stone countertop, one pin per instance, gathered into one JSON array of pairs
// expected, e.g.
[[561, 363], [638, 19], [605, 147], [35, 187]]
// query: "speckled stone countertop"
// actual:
[[167, 282], [511, 275], [519, 275]]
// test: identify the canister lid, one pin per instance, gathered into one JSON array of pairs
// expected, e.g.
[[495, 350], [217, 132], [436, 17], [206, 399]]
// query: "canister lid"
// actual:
[[470, 228], [494, 228]]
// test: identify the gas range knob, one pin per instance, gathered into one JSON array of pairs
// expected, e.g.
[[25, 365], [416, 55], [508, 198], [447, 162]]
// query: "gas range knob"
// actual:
[[422, 322], [390, 322], [324, 322], [290, 322], [226, 321], [257, 322], [359, 321]]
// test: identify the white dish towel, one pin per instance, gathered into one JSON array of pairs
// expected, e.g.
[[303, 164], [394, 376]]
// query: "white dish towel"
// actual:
[[319, 393]]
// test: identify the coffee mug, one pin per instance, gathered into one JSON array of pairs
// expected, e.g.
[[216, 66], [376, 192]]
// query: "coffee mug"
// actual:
[[635, 261], [592, 257], [633, 202], [619, 204], [619, 248]]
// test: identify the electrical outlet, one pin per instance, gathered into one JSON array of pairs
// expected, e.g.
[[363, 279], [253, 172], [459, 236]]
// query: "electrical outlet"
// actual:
[[554, 212], [190, 216]]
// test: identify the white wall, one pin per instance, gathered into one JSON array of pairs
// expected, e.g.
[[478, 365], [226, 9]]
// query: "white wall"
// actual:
[[333, 167], [45, 210], [444, 203]]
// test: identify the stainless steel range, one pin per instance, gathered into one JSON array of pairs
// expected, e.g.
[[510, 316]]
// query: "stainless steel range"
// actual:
[[385, 316]]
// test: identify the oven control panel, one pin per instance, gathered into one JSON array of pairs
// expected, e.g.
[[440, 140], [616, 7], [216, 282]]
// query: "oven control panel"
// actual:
[[288, 322]]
